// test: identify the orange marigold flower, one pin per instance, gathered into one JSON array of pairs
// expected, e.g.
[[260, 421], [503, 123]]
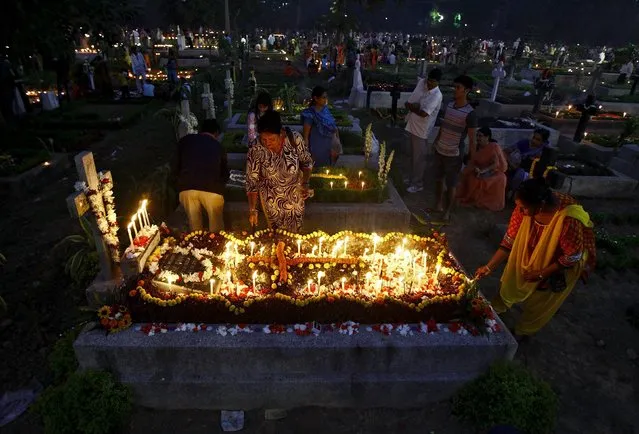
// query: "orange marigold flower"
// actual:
[[133, 293]]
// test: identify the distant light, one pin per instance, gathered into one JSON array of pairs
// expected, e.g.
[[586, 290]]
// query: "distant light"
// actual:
[[46, 163]]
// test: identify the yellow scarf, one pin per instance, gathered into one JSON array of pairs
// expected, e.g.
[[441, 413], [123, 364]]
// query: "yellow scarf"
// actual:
[[514, 288]]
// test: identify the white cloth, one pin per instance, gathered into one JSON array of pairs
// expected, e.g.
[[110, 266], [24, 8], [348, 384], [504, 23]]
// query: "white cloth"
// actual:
[[430, 101], [138, 64]]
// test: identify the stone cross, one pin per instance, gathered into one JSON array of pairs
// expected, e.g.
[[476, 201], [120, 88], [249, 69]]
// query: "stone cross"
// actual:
[[208, 104], [183, 126], [78, 205], [228, 85]]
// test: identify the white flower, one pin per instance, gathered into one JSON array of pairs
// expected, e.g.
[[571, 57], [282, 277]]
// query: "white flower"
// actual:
[[222, 330]]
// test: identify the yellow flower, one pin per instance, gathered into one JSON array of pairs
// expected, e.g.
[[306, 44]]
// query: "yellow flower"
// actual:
[[310, 266], [251, 265], [104, 312], [274, 286], [327, 265]]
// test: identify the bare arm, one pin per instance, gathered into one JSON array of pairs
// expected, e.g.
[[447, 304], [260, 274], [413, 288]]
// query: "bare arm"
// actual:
[[306, 133], [472, 145]]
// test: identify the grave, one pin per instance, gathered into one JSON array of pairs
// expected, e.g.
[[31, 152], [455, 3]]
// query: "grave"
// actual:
[[184, 370], [234, 124], [627, 161], [36, 177]]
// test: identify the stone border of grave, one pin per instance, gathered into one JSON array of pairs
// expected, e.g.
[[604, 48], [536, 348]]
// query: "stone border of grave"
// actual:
[[233, 124], [627, 107], [618, 186], [593, 124], [389, 216], [36, 177], [587, 151], [206, 370]]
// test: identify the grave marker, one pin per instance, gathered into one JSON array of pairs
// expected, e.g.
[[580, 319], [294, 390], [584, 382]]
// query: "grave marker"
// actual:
[[79, 206]]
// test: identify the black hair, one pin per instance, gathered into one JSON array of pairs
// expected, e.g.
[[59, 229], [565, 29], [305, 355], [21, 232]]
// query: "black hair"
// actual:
[[318, 91], [535, 192], [270, 122], [209, 126], [265, 99], [465, 81], [544, 133], [485, 131], [435, 74]]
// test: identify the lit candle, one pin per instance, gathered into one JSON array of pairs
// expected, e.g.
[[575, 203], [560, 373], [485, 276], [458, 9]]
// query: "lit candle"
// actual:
[[145, 202], [299, 247], [343, 284], [557, 114], [363, 184], [624, 114], [128, 228], [141, 219], [345, 245], [331, 183], [586, 134], [228, 278], [320, 274], [368, 278], [438, 268], [366, 250], [309, 285], [135, 229], [254, 277], [327, 171], [211, 283], [569, 107], [401, 285], [375, 240], [359, 175], [345, 184], [320, 245], [419, 280], [262, 251], [252, 247], [313, 251]]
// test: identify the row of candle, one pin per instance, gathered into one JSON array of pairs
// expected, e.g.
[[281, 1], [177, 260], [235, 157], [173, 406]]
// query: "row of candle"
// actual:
[[139, 221]]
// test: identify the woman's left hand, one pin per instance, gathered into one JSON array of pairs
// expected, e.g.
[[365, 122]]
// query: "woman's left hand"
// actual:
[[533, 276]]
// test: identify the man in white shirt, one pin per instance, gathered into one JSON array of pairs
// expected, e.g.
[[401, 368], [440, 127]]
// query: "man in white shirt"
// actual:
[[423, 106]]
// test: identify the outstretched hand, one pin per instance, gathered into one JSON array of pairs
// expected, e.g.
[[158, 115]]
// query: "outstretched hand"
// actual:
[[482, 272]]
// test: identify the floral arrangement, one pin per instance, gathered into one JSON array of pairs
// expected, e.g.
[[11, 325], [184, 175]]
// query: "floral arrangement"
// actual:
[[368, 144], [292, 277], [384, 164], [102, 205], [191, 122], [114, 318]]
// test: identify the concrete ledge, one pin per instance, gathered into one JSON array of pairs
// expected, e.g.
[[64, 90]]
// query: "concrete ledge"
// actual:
[[389, 216], [36, 177], [587, 151], [180, 370], [233, 124], [618, 186]]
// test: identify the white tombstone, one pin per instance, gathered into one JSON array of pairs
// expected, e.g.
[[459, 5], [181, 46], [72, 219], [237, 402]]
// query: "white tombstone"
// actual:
[[498, 74], [228, 85], [49, 101], [136, 37], [208, 104], [181, 42]]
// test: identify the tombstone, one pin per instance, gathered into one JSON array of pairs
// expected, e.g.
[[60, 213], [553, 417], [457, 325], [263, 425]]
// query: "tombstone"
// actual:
[[228, 85], [498, 74], [185, 124], [96, 204], [358, 85], [208, 104]]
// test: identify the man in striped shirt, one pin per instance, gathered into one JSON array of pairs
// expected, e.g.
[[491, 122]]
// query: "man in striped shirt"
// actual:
[[460, 120]]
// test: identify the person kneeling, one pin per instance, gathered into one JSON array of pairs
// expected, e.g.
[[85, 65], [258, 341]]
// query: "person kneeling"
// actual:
[[483, 182], [202, 172]]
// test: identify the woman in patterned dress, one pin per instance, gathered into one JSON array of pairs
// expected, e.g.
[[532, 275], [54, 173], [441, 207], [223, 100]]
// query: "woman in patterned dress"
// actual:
[[278, 168], [549, 245]]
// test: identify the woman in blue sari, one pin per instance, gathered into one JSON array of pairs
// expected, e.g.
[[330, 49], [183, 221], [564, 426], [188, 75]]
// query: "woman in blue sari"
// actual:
[[320, 129], [521, 155]]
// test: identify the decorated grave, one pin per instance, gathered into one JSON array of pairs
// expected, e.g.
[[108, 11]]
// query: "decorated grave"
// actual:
[[275, 319]]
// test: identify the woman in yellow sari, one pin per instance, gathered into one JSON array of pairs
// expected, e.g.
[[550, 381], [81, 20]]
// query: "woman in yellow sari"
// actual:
[[549, 245]]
